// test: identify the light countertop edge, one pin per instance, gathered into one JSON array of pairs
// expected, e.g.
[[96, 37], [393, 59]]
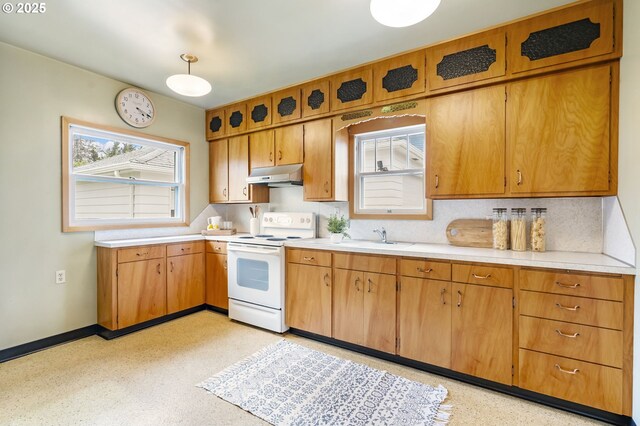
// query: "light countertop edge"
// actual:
[[578, 261]]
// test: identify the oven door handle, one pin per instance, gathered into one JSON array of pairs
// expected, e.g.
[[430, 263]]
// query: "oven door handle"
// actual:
[[251, 250]]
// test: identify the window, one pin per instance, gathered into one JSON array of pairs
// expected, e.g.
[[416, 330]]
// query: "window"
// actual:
[[116, 178], [389, 172]]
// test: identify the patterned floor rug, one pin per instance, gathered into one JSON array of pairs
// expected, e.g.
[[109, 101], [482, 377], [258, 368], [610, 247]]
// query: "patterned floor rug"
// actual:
[[288, 384]]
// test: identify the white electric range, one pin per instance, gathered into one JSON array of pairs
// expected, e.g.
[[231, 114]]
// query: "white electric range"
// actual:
[[256, 269]]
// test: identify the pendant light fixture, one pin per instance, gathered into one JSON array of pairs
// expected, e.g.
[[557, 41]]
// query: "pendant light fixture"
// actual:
[[187, 84], [402, 13]]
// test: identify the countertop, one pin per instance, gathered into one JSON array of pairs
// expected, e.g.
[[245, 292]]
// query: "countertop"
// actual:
[[588, 262]]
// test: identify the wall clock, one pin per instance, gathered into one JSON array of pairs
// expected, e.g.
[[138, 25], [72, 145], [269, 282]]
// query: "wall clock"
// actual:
[[135, 107]]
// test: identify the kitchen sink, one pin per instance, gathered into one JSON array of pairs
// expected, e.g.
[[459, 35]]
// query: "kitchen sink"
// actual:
[[373, 244]]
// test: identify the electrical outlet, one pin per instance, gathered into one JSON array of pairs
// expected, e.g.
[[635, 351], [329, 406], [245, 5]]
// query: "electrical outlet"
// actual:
[[61, 277]]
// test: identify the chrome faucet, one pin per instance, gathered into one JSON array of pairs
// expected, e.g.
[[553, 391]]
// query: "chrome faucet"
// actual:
[[382, 233]]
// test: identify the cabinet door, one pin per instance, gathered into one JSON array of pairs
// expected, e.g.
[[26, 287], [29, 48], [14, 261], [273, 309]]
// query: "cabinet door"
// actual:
[[399, 76], [236, 118], [215, 124], [289, 144], [142, 291], [261, 149], [424, 321], [379, 312], [481, 324], [318, 160], [259, 112], [308, 298], [348, 302], [315, 98], [185, 282], [352, 88], [286, 105], [238, 168], [558, 130], [216, 281], [466, 151], [218, 172]]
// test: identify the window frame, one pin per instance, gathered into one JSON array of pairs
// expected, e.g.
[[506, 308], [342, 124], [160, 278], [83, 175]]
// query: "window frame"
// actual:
[[71, 224], [383, 123]]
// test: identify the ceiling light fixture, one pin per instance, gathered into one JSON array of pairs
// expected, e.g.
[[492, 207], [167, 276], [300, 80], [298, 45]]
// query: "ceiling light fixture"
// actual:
[[402, 13], [187, 84]]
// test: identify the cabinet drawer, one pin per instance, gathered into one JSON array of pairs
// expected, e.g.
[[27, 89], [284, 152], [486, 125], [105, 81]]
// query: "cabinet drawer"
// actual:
[[599, 345], [361, 262], [309, 257], [594, 385], [483, 274], [140, 253], [579, 310], [425, 269], [219, 247], [598, 287], [185, 248]]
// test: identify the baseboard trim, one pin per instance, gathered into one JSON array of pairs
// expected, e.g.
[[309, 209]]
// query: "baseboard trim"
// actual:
[[217, 309], [604, 416], [48, 342]]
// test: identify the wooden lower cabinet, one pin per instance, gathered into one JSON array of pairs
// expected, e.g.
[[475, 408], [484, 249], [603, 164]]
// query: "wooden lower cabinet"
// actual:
[[424, 321], [482, 332], [308, 298], [185, 282], [217, 293], [142, 294], [364, 309]]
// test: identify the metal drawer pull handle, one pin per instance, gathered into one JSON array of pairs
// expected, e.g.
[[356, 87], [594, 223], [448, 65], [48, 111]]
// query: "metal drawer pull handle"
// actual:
[[244, 191], [559, 284], [568, 308], [424, 271], [271, 156], [370, 282], [519, 177], [218, 248], [442, 292], [308, 259], [326, 186], [574, 371], [459, 298], [225, 264], [185, 248], [481, 277], [573, 336], [171, 266], [437, 181], [357, 281], [279, 155], [326, 280], [142, 254], [158, 268], [224, 192]]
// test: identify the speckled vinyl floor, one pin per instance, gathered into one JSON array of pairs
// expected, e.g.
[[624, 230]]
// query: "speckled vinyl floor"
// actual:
[[149, 378]]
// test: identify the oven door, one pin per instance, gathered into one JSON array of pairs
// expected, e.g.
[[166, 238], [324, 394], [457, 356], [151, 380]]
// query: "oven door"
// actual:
[[256, 274]]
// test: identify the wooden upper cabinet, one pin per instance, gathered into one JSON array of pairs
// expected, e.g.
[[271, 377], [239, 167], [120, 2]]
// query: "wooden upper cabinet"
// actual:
[[558, 133], [315, 98], [238, 168], [286, 105], [318, 161], [466, 143], [216, 124], [236, 118], [352, 88], [466, 60], [259, 112], [400, 76], [218, 171], [261, 149], [570, 34], [289, 145]]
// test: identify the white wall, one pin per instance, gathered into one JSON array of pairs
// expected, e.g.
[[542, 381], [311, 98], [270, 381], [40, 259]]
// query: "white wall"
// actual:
[[629, 162], [35, 91]]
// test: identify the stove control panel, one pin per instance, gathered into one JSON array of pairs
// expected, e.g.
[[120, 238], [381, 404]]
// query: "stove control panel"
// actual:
[[299, 224]]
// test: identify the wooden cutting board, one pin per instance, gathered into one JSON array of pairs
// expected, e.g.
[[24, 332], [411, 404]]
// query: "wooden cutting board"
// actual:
[[471, 233]]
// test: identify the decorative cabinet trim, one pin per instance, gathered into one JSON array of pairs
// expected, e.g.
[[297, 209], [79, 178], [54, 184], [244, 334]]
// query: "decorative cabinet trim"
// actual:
[[579, 32], [286, 104], [236, 119], [215, 125], [475, 58], [315, 98], [259, 112], [400, 76], [352, 88]]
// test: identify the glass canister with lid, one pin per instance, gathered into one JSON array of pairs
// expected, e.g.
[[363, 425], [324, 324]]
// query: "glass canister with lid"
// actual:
[[500, 229], [538, 229], [518, 229]]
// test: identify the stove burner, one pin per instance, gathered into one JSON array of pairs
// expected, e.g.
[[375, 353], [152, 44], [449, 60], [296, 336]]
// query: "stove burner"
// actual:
[[276, 239], [293, 238], [264, 236], [246, 238]]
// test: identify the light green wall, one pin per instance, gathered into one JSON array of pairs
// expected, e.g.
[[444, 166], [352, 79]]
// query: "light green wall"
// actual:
[[34, 92]]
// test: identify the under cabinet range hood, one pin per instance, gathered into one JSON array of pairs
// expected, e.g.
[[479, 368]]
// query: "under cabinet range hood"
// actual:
[[277, 176]]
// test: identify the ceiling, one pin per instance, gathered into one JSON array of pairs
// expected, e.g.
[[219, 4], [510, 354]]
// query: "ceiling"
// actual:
[[246, 47]]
